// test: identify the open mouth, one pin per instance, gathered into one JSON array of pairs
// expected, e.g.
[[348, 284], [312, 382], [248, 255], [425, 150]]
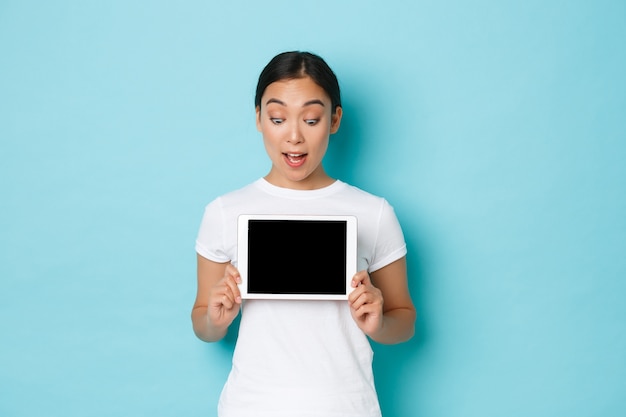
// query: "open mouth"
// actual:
[[295, 159]]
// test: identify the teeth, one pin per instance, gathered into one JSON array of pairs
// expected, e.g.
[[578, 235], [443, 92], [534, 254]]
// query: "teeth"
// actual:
[[295, 158]]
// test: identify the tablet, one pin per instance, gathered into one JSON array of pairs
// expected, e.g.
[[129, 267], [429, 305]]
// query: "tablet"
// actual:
[[296, 256]]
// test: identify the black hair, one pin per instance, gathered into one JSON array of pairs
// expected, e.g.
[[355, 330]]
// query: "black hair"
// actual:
[[296, 64]]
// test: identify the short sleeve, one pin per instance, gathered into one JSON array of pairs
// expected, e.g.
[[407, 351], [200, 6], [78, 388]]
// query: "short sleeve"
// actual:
[[210, 240], [390, 244]]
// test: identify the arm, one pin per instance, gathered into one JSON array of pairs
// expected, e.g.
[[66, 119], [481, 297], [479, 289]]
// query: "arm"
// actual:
[[381, 304], [217, 301]]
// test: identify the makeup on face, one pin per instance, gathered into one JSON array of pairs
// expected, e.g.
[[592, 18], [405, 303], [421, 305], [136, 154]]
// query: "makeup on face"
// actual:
[[295, 120]]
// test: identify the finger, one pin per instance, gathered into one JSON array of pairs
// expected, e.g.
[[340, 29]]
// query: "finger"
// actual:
[[220, 296], [223, 293], [369, 295], [232, 278], [227, 301], [363, 299], [369, 301], [361, 278], [362, 296], [233, 289], [232, 271], [366, 310], [356, 293]]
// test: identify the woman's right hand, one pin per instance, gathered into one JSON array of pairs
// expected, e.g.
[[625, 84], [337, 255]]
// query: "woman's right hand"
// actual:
[[225, 298], [217, 301]]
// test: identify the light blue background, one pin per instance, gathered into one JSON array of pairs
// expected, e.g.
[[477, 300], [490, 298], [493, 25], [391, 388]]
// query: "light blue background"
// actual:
[[496, 129]]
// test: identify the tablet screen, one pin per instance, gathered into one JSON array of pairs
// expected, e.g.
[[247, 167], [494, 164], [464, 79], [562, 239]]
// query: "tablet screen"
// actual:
[[297, 256]]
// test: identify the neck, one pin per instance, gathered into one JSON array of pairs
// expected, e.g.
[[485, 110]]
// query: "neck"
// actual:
[[319, 179]]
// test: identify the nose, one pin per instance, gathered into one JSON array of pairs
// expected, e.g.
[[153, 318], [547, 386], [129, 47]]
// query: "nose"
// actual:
[[295, 135]]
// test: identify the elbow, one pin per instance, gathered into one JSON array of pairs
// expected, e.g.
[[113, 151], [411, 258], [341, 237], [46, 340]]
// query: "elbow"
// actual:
[[206, 335], [399, 327], [203, 329], [410, 330]]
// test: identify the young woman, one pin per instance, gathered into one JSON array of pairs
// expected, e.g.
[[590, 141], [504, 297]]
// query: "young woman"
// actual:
[[302, 358]]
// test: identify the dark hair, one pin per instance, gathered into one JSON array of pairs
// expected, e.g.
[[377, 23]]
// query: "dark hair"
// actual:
[[296, 64]]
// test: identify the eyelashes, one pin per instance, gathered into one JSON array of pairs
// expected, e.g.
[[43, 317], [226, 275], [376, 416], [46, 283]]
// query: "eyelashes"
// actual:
[[279, 121]]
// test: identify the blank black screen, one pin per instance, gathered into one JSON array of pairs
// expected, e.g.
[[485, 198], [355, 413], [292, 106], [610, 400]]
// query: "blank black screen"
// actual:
[[297, 257]]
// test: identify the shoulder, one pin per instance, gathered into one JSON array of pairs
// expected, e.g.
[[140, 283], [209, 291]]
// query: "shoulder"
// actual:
[[235, 197], [365, 198], [356, 192]]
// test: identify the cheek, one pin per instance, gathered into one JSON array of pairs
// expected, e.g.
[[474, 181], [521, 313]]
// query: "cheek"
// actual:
[[272, 146], [320, 147], [323, 135], [268, 131]]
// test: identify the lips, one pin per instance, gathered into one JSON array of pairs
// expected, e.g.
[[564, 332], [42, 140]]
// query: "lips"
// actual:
[[295, 159]]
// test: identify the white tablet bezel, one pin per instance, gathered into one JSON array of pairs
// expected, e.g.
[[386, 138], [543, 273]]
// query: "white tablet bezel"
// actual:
[[242, 255]]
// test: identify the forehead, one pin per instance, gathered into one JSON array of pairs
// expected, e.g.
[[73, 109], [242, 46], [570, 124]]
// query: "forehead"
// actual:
[[295, 92]]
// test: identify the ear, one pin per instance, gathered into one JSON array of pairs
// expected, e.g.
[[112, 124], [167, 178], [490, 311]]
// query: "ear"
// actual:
[[336, 120], [258, 118]]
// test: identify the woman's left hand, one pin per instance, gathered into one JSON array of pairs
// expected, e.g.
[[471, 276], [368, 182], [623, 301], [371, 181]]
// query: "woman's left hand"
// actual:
[[366, 304]]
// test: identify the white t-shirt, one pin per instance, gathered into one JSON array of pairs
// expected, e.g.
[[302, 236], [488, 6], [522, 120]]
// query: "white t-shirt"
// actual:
[[301, 358]]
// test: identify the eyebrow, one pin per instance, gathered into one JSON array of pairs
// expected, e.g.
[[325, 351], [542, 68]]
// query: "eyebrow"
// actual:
[[308, 103]]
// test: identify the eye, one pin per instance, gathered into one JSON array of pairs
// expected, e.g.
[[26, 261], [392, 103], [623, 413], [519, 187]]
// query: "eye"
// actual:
[[276, 120], [311, 122]]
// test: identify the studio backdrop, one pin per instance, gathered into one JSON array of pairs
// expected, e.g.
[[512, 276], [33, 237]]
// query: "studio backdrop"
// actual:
[[495, 129]]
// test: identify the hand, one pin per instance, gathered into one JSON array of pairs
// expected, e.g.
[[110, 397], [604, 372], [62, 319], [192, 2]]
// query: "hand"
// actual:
[[225, 298], [366, 304]]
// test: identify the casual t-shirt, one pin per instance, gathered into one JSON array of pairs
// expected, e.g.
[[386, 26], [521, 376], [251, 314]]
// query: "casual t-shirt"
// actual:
[[301, 358]]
